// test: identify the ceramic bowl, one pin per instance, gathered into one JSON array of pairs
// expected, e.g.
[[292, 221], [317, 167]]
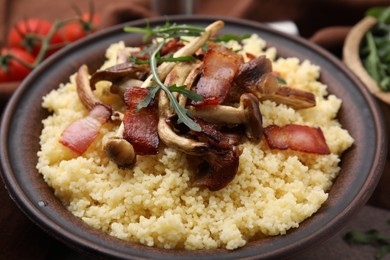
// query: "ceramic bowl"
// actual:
[[351, 57], [361, 165]]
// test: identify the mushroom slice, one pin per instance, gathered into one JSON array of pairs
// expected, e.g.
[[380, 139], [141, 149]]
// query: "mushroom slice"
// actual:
[[177, 76], [189, 82], [119, 150], [256, 77], [292, 97], [220, 161], [120, 89], [120, 73], [218, 169], [84, 90], [248, 114]]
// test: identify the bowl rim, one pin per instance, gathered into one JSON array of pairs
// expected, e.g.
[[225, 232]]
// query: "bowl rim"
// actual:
[[87, 247], [351, 57]]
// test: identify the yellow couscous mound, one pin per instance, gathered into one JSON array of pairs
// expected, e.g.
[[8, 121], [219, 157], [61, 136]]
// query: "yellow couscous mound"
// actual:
[[155, 204]]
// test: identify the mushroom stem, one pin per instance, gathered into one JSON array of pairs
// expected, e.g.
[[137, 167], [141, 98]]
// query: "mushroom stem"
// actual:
[[191, 78], [248, 113], [256, 77], [177, 76], [84, 90]]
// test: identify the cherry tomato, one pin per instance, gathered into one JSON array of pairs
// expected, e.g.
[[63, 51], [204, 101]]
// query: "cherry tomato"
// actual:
[[78, 29], [27, 34], [10, 68]]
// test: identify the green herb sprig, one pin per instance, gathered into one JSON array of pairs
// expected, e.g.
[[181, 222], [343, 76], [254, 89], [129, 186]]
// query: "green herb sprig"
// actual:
[[370, 237], [168, 31], [159, 59], [231, 37]]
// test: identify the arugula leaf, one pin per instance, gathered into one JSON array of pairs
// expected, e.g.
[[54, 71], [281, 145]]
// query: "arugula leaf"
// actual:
[[148, 98], [281, 80], [380, 13], [375, 49], [188, 93], [370, 237], [383, 251]]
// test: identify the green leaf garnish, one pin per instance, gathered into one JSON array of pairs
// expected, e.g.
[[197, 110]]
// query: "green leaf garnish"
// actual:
[[231, 37], [367, 237], [188, 93], [159, 59], [370, 237], [382, 252], [148, 98], [166, 31], [375, 48], [281, 80]]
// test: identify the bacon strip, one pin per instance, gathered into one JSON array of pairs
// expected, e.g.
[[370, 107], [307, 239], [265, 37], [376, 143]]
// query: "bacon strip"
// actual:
[[296, 137], [171, 46], [220, 67], [80, 134], [140, 127]]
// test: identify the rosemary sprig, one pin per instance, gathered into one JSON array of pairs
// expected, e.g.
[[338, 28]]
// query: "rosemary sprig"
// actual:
[[165, 31], [182, 113], [137, 61], [231, 37]]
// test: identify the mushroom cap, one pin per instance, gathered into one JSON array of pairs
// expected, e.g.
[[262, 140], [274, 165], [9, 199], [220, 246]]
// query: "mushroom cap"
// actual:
[[120, 152], [254, 120]]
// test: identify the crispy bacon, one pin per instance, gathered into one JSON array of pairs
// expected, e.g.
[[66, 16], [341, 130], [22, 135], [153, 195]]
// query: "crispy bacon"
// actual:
[[171, 46], [296, 137], [140, 127], [220, 67], [80, 134]]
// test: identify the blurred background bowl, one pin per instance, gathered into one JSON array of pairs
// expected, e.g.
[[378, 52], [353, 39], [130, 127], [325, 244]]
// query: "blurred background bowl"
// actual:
[[351, 57]]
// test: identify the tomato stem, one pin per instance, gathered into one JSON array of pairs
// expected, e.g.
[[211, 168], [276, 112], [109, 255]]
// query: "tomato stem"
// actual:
[[13, 57], [46, 40]]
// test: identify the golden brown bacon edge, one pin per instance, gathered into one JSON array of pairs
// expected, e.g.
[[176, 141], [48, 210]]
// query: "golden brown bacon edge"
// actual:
[[296, 137]]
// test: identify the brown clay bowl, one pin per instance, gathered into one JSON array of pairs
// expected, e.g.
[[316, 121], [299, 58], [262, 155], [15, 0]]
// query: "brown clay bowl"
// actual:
[[352, 59], [361, 165]]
